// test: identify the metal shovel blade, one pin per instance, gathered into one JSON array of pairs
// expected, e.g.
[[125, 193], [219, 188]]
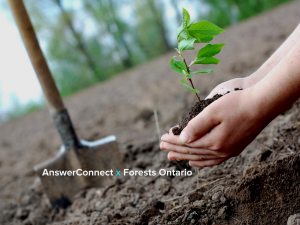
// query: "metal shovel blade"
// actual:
[[58, 175]]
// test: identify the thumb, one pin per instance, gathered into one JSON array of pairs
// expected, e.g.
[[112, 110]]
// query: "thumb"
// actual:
[[198, 126]]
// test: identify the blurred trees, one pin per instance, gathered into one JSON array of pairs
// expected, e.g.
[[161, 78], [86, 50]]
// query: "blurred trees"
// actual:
[[89, 41], [157, 14], [104, 13], [227, 12]]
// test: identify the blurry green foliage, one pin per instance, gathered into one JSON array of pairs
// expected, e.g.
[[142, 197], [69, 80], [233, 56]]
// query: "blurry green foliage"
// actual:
[[89, 41], [227, 12], [18, 108]]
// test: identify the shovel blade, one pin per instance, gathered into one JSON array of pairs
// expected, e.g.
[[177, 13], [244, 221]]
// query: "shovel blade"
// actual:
[[63, 176]]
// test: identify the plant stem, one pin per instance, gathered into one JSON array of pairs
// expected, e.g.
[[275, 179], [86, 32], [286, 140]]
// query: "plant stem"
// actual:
[[188, 71], [194, 88]]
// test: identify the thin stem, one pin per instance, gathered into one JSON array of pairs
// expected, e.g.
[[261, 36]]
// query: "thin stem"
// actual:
[[188, 71], [194, 88]]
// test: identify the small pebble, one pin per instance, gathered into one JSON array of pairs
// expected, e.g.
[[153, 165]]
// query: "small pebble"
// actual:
[[223, 199], [294, 220], [217, 196], [199, 203]]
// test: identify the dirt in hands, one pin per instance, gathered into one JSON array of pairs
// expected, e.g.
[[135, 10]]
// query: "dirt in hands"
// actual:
[[195, 110]]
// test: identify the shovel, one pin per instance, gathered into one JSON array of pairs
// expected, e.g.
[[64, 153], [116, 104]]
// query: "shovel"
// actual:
[[79, 163]]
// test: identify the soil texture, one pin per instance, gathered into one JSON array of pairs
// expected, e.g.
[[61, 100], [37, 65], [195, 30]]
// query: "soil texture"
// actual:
[[194, 111]]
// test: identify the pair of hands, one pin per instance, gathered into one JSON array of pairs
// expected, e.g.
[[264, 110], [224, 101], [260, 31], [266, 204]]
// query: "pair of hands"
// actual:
[[234, 121], [237, 118]]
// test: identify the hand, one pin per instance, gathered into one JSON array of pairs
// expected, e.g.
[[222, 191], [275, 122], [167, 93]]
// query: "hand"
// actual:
[[242, 83], [228, 125], [220, 131]]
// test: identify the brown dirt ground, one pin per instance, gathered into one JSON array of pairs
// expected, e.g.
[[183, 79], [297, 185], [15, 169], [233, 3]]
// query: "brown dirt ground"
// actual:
[[261, 186]]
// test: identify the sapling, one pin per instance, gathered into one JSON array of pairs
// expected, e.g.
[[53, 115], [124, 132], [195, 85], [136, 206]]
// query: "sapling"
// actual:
[[188, 34]]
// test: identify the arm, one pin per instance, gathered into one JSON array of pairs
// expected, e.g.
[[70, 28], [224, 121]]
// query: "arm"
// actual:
[[247, 82], [283, 82], [250, 111], [277, 56]]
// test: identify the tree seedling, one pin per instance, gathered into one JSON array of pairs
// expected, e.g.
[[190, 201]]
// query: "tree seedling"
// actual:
[[188, 34]]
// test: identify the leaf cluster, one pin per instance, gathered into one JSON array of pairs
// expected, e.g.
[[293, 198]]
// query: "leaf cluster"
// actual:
[[187, 35]]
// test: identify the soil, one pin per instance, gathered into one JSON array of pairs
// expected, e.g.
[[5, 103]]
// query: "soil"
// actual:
[[260, 186], [194, 111]]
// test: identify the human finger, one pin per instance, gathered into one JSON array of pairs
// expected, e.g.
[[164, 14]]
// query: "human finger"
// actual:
[[199, 126], [186, 150], [187, 157]]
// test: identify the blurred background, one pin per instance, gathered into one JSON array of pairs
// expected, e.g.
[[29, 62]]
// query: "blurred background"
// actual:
[[90, 41]]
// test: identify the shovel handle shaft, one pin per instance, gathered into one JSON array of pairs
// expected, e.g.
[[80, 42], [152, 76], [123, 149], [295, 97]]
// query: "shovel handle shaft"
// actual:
[[36, 56], [55, 104]]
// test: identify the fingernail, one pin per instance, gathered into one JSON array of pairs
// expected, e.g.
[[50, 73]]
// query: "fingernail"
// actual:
[[184, 138]]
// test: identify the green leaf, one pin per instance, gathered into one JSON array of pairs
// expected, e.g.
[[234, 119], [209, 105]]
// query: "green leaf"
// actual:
[[190, 76], [205, 27], [200, 38], [188, 87], [205, 38], [185, 17], [191, 24], [187, 75], [194, 35], [204, 71], [206, 60], [177, 66], [182, 32], [186, 44], [210, 50]]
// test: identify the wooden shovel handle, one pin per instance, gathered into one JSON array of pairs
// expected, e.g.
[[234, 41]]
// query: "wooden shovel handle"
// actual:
[[36, 56]]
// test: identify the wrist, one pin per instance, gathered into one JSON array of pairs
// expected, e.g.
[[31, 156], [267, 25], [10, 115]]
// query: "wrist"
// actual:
[[268, 103], [259, 107], [254, 78]]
